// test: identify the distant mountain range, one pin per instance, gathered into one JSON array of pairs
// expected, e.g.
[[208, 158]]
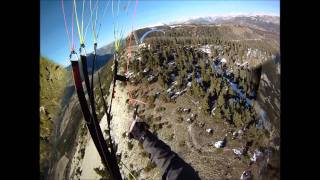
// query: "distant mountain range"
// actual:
[[261, 22]]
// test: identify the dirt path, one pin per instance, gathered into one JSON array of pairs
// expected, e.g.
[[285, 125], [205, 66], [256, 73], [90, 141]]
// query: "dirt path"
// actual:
[[90, 160], [132, 158], [61, 166]]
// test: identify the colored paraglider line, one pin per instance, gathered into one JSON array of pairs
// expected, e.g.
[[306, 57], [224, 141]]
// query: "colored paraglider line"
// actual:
[[118, 8], [94, 128], [114, 28], [135, 11], [130, 36], [104, 10], [72, 30], [148, 32], [76, 72], [112, 8], [83, 2], [90, 20], [106, 7], [92, 104], [127, 6], [132, 100], [77, 21], [66, 25], [128, 170], [94, 21], [137, 101], [78, 85], [133, 20], [118, 37], [129, 53]]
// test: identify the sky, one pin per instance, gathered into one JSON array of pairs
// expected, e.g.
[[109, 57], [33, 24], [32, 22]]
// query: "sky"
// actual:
[[54, 39]]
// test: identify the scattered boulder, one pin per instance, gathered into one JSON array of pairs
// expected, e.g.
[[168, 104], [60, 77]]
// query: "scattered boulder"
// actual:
[[189, 120], [210, 131], [42, 109], [187, 110], [193, 116], [240, 132], [171, 63], [238, 152], [201, 124], [221, 144], [146, 70], [151, 78], [234, 134], [212, 111], [257, 155], [223, 60], [246, 175], [174, 83]]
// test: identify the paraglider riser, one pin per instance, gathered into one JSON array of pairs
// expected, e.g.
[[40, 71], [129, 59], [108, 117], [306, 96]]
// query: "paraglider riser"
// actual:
[[108, 159]]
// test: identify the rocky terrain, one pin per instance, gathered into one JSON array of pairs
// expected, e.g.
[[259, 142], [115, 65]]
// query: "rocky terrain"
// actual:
[[212, 93]]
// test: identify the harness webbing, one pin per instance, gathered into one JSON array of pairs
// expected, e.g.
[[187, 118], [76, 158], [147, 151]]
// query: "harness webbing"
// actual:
[[108, 159], [86, 112]]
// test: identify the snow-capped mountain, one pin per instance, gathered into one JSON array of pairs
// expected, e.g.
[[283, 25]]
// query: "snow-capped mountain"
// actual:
[[258, 21]]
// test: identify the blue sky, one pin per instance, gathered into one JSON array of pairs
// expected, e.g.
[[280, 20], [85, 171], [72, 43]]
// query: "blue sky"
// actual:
[[53, 36]]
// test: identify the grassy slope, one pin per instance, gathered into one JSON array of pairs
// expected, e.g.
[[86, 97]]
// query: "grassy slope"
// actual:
[[52, 83]]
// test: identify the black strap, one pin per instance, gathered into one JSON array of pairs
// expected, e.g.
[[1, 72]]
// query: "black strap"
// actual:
[[85, 72], [108, 160]]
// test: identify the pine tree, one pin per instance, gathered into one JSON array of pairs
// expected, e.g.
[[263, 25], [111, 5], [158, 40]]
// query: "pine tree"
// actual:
[[220, 100], [205, 105], [228, 112]]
